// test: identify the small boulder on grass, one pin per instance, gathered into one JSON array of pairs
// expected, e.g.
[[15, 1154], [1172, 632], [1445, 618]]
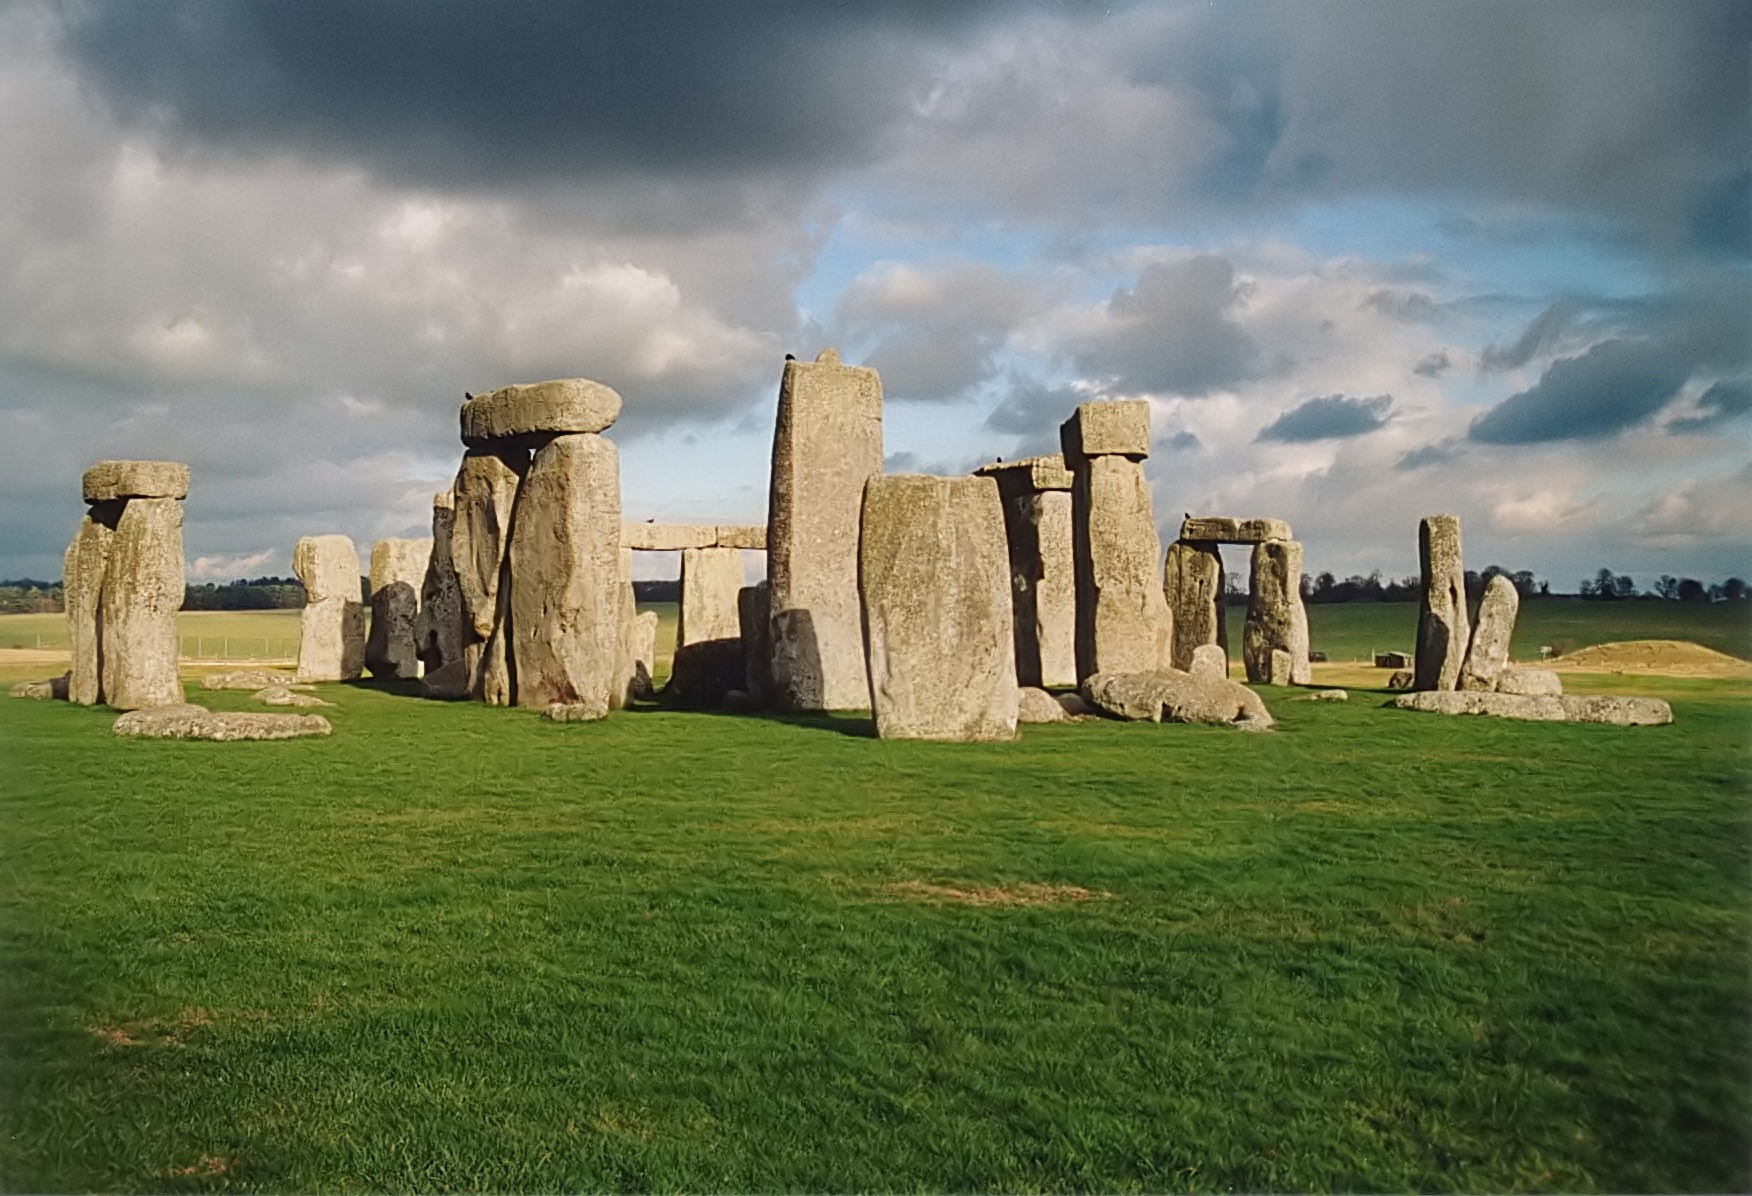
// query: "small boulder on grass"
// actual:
[[1037, 706], [251, 679], [1171, 696], [279, 695], [51, 689]]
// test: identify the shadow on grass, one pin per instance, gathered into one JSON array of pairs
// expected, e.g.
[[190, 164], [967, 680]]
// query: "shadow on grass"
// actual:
[[858, 727]]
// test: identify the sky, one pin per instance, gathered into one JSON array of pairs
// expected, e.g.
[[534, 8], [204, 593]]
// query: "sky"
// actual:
[[1366, 261]]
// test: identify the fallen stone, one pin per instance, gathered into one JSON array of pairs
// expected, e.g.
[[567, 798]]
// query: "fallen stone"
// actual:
[[82, 574], [279, 695], [1192, 585], [252, 679], [398, 569], [934, 583], [537, 411], [1209, 660], [1274, 640], [1488, 653], [575, 712], [1528, 682], [1550, 708], [1168, 695], [196, 722], [1221, 530], [1035, 705], [50, 689], [827, 442], [108, 481], [1443, 630], [667, 537], [1324, 695], [1112, 427], [142, 591]]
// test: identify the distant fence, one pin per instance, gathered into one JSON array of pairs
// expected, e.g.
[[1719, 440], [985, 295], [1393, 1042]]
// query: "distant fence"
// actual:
[[237, 647]]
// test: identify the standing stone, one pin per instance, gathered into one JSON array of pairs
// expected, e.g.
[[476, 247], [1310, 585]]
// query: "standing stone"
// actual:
[[934, 586], [331, 627], [711, 578], [142, 591], [441, 630], [1123, 621], [626, 667], [1036, 493], [82, 576], [827, 442], [1442, 626], [565, 603], [398, 568], [486, 492], [1192, 584], [1274, 640], [1489, 651], [644, 649], [1209, 660], [754, 613]]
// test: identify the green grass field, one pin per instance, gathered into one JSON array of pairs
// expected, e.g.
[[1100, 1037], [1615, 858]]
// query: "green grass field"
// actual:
[[458, 947]]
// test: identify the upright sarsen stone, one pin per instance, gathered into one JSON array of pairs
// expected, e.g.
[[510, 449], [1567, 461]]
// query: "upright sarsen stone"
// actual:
[[142, 591], [565, 606], [331, 627], [486, 493], [1443, 629], [711, 578], [827, 442], [1036, 494], [1192, 585], [441, 629], [1488, 653], [398, 568], [755, 615], [934, 584], [82, 576], [1274, 640]]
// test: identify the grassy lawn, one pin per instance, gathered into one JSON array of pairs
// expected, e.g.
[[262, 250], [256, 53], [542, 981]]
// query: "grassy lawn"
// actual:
[[456, 947]]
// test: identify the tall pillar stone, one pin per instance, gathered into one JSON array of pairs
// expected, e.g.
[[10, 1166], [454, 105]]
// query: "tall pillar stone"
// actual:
[[934, 585], [486, 493], [331, 627], [440, 629], [565, 613], [1123, 621], [82, 574], [398, 569], [1274, 641], [754, 612], [1192, 585], [1488, 653], [827, 442], [1036, 497], [627, 684], [1443, 629]]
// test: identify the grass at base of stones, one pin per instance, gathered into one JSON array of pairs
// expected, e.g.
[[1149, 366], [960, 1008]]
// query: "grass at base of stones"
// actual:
[[453, 946]]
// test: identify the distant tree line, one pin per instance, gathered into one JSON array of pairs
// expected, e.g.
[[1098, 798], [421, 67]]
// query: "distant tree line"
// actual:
[[1607, 586], [258, 593], [28, 596]]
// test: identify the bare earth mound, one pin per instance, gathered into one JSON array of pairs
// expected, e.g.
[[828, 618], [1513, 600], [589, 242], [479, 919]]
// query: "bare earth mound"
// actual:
[[1668, 658]]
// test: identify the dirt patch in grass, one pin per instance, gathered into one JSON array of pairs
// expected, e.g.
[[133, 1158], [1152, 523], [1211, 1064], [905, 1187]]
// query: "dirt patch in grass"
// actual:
[[154, 1031], [1666, 658], [918, 890], [210, 1167]]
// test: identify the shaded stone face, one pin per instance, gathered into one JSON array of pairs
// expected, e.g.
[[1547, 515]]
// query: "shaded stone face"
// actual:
[[82, 576], [827, 442], [530, 413], [565, 604], [109, 481], [1123, 621], [754, 613], [398, 567], [442, 628], [1274, 640], [934, 584], [142, 591], [485, 495], [1489, 650], [1192, 585], [1043, 576], [1443, 629]]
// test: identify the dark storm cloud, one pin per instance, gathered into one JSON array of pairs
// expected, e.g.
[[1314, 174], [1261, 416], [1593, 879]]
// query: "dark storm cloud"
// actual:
[[1540, 336], [1331, 417], [1429, 454], [1719, 404], [1032, 408], [1433, 364], [1173, 333], [447, 90], [1613, 386]]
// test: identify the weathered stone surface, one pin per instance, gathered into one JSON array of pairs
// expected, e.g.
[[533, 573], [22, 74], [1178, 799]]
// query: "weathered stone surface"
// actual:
[[934, 582], [1274, 640], [49, 689], [1393, 660], [741, 535], [1401, 680], [442, 628], [827, 442], [196, 722], [1034, 705], [667, 537], [1076, 705], [450, 683], [566, 580], [1528, 681], [1549, 708], [1047, 472], [1222, 530], [1169, 695], [108, 481], [279, 695], [142, 591], [1192, 585], [82, 575], [1325, 695], [486, 493], [251, 679], [331, 640], [530, 412], [1043, 573], [1118, 427], [754, 614], [710, 580], [575, 712], [1443, 629], [1489, 650], [1209, 660], [328, 567], [627, 685], [1123, 621], [398, 569], [644, 647]]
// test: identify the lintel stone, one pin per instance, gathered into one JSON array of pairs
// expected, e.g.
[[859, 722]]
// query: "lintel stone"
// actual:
[[1030, 473], [1114, 427], [1234, 531], [542, 409], [109, 480]]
